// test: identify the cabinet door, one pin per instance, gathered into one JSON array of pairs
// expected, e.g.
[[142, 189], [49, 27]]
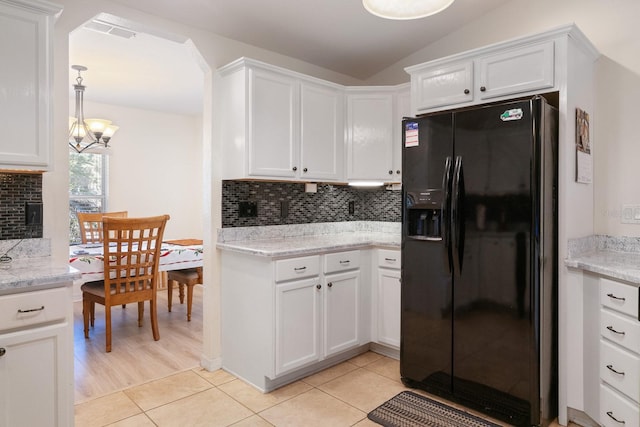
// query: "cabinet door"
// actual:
[[341, 312], [389, 307], [441, 86], [321, 133], [273, 104], [297, 324], [403, 109], [25, 85], [33, 373], [370, 136], [515, 71]]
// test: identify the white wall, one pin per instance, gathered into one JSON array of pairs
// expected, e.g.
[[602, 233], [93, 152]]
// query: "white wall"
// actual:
[[156, 166], [617, 161]]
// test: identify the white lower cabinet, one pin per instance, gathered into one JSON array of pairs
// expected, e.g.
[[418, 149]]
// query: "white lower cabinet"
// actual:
[[36, 359], [619, 354], [388, 298], [283, 318]]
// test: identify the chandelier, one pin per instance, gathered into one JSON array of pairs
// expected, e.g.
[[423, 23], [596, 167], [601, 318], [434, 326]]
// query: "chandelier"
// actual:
[[87, 133], [405, 9]]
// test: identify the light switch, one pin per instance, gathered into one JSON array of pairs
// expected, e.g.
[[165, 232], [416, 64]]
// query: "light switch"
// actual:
[[630, 214]]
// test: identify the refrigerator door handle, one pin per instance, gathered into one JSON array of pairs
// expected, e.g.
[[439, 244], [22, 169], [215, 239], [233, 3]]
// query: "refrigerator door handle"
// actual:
[[457, 223], [446, 219]]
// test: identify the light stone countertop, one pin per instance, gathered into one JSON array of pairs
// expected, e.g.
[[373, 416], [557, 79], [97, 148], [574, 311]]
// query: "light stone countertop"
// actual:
[[614, 257], [31, 267], [307, 245], [279, 241]]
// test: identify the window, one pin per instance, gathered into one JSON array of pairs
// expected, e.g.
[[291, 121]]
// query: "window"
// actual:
[[87, 188]]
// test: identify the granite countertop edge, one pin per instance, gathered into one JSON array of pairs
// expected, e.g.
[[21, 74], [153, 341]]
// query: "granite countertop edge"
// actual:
[[33, 274], [309, 245], [616, 265]]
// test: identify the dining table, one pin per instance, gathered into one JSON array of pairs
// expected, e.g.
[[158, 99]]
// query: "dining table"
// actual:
[[178, 254]]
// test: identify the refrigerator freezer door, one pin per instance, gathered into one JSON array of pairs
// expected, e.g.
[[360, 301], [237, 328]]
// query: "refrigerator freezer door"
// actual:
[[426, 280]]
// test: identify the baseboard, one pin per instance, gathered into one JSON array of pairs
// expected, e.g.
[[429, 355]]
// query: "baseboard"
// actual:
[[210, 364], [385, 350], [580, 418]]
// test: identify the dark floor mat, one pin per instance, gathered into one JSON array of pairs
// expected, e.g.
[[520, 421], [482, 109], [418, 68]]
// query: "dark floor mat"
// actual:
[[408, 409]]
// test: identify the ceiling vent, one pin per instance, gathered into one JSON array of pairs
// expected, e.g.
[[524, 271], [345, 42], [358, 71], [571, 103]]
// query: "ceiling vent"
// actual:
[[107, 28]]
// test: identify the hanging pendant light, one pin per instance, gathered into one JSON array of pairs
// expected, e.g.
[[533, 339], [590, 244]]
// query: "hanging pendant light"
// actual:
[[87, 133], [405, 9]]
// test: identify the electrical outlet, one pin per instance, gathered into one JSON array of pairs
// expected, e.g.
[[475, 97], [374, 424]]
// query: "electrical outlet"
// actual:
[[630, 214], [352, 207], [248, 209], [284, 209], [33, 213]]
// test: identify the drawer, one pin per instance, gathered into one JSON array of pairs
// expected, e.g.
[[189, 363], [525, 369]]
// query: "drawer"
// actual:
[[620, 329], [615, 407], [341, 261], [297, 268], [30, 308], [620, 297], [619, 369], [389, 258]]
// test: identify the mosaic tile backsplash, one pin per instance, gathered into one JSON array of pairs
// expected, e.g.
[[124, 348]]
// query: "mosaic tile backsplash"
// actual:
[[16, 189], [329, 204]]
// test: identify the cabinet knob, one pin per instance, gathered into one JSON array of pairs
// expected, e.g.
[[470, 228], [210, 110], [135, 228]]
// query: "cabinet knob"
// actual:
[[390, 172], [466, 91], [304, 170], [2, 351], [318, 286], [329, 284], [295, 168], [398, 171], [483, 89]]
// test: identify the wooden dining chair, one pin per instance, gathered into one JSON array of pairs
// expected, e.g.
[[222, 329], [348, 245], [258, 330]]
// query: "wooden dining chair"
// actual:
[[131, 258], [91, 224]]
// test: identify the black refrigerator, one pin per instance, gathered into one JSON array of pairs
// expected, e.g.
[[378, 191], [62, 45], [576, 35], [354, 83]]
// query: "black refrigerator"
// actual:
[[479, 258]]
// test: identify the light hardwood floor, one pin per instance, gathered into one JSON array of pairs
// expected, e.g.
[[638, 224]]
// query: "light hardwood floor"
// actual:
[[135, 357]]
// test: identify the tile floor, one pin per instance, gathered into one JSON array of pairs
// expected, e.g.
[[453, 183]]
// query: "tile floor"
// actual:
[[338, 396]]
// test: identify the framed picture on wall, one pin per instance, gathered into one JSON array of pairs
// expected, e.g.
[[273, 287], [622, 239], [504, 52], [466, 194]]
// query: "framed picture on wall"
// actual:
[[584, 162]]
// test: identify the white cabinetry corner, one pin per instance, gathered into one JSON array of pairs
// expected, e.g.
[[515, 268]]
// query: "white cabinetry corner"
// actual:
[[26, 44], [277, 124], [36, 358]]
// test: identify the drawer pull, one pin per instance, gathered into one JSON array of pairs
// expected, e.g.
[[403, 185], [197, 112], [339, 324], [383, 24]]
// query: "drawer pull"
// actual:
[[31, 310], [390, 259], [612, 296], [330, 284], [614, 331], [345, 262], [299, 268], [610, 367], [318, 287], [610, 413], [2, 351]]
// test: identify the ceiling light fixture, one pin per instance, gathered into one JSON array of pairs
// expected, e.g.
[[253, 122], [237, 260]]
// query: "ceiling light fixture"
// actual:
[[87, 133], [405, 9]]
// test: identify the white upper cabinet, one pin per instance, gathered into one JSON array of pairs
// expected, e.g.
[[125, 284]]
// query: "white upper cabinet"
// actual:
[[438, 86], [402, 110], [277, 124], [322, 132], [483, 75], [26, 30], [370, 126], [273, 123], [516, 70]]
